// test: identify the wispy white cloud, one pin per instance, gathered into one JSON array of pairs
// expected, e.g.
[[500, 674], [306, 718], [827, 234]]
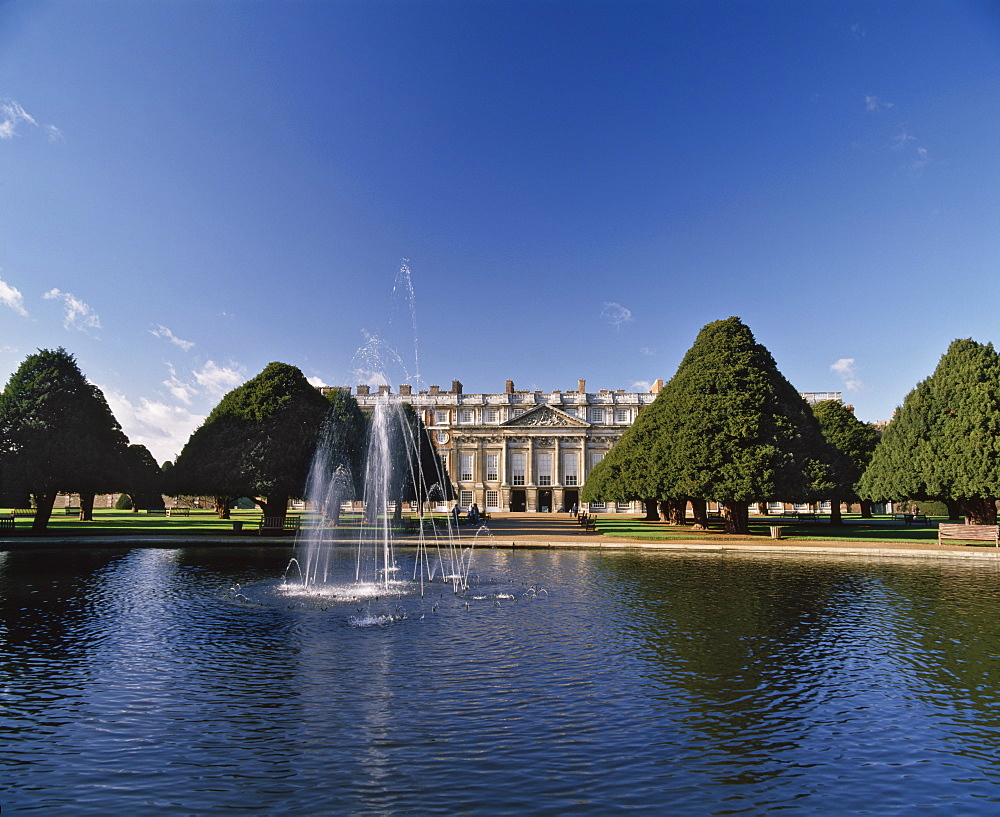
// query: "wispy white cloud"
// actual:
[[162, 428], [642, 386], [873, 103], [217, 380], [76, 314], [902, 139], [12, 115], [858, 31], [923, 158], [180, 390], [55, 134], [646, 350], [12, 298], [162, 332], [615, 314], [845, 369]]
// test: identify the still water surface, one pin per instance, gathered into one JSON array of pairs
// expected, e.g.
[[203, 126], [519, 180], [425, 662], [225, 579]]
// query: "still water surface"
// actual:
[[140, 681]]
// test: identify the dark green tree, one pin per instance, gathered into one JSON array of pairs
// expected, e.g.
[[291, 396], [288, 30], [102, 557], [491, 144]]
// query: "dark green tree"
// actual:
[[142, 479], [854, 443], [340, 462], [727, 427], [57, 433], [944, 442], [417, 474], [257, 442]]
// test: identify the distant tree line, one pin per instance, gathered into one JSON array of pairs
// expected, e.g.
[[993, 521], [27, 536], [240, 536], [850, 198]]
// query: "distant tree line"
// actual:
[[728, 427], [58, 435]]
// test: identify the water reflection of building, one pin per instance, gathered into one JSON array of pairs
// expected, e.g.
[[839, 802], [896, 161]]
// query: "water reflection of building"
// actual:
[[526, 450]]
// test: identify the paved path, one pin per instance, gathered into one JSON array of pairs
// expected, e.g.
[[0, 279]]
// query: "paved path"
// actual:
[[561, 530]]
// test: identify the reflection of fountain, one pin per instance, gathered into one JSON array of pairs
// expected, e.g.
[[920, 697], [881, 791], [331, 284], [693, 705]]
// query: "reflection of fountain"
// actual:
[[351, 555]]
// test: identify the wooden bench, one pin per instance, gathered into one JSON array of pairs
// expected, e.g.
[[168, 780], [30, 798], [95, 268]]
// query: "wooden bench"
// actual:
[[156, 511], [71, 511], [24, 512], [278, 526], [7, 524], [178, 512], [970, 533], [805, 516], [588, 523], [911, 518]]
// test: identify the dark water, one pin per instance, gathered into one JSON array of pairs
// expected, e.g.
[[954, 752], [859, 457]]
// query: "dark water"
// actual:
[[134, 682]]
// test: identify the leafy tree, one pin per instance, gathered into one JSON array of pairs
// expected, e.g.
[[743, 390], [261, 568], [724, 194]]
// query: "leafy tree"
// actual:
[[943, 442], [338, 467], [727, 426], [57, 433], [257, 442], [415, 471], [143, 480], [854, 443]]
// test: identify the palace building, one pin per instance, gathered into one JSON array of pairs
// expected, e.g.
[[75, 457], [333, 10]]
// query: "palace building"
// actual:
[[526, 450]]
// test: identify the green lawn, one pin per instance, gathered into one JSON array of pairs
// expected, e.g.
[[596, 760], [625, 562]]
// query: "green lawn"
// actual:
[[199, 523], [854, 529]]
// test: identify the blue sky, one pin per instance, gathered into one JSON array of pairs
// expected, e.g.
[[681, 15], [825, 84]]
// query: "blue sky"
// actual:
[[190, 190]]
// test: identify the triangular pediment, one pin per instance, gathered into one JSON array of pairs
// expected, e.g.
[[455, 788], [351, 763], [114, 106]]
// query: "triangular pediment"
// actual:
[[546, 416]]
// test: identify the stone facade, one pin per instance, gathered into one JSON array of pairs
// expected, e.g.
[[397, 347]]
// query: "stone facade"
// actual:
[[524, 450]]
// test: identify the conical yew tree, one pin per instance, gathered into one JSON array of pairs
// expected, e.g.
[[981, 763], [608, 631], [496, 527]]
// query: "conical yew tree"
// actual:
[[258, 442], [57, 433], [944, 442], [726, 427]]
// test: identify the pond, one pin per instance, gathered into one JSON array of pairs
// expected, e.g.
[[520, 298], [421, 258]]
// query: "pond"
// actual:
[[156, 681]]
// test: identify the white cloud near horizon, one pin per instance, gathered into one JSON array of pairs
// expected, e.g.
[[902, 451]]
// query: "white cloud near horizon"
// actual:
[[642, 386], [11, 298], [316, 381], [615, 314], [217, 380], [162, 332], [845, 369], [76, 315], [162, 428]]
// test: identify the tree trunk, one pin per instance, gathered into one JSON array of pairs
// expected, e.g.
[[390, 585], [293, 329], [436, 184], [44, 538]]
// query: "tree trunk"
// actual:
[[762, 509], [43, 510], [737, 517], [273, 506], [675, 511], [652, 515], [866, 509], [699, 509], [979, 511], [87, 506], [954, 509], [663, 510], [134, 501], [835, 517], [397, 514], [222, 507]]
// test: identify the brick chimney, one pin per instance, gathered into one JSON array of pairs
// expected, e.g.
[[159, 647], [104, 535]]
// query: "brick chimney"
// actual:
[[581, 386], [657, 386], [435, 389], [510, 387], [456, 387], [406, 389], [362, 390], [385, 389]]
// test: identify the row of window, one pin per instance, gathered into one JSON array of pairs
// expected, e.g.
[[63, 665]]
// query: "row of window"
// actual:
[[491, 416], [518, 461]]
